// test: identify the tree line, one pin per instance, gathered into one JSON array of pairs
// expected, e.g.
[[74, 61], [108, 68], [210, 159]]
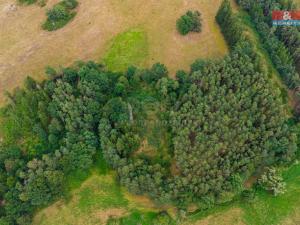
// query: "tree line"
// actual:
[[281, 42]]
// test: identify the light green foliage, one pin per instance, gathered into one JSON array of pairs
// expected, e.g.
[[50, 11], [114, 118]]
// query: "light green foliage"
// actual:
[[102, 194], [269, 210], [270, 180], [128, 48]]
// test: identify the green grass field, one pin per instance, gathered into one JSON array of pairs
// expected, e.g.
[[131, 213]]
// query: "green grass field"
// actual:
[[264, 210], [96, 201], [95, 197], [269, 210], [128, 48]]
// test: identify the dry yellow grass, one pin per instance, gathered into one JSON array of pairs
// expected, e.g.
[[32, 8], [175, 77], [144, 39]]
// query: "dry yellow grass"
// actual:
[[293, 219], [25, 49], [229, 217]]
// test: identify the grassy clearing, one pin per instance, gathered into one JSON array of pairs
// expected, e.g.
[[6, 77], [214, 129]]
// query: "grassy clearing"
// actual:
[[98, 199], [265, 210], [269, 210], [232, 216], [98, 195], [93, 198], [128, 48]]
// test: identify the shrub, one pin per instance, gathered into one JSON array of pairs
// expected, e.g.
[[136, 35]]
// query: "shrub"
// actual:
[[57, 13], [190, 22], [248, 195], [60, 15], [69, 4], [28, 2], [272, 181]]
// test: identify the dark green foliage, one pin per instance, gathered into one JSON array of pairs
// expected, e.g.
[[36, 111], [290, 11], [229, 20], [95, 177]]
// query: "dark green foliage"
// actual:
[[229, 117], [41, 3], [290, 36], [60, 15], [157, 71], [190, 22], [248, 195], [199, 64], [230, 26], [49, 130], [215, 125], [285, 54]]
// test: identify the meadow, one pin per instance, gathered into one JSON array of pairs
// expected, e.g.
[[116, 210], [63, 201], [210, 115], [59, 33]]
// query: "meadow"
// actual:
[[94, 198], [98, 32]]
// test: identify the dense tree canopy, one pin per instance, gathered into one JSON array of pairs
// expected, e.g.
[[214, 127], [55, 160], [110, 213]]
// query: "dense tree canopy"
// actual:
[[283, 44], [214, 126], [229, 122]]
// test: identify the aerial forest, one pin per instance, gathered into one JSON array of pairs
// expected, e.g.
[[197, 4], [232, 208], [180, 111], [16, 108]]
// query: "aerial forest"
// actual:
[[222, 120]]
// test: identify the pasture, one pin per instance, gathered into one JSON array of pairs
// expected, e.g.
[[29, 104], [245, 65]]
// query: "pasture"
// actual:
[[26, 49]]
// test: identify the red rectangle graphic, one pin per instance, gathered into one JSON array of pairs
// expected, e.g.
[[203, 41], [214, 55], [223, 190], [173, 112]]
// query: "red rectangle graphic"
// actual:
[[285, 15]]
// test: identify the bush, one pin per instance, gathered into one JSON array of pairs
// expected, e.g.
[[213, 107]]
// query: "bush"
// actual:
[[69, 4], [248, 195], [272, 181], [28, 2], [60, 15], [190, 22]]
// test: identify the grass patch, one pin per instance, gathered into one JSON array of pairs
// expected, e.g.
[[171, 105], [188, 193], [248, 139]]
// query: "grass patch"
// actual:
[[128, 48], [97, 195], [269, 210], [135, 218], [100, 192], [75, 179], [143, 218], [265, 210]]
